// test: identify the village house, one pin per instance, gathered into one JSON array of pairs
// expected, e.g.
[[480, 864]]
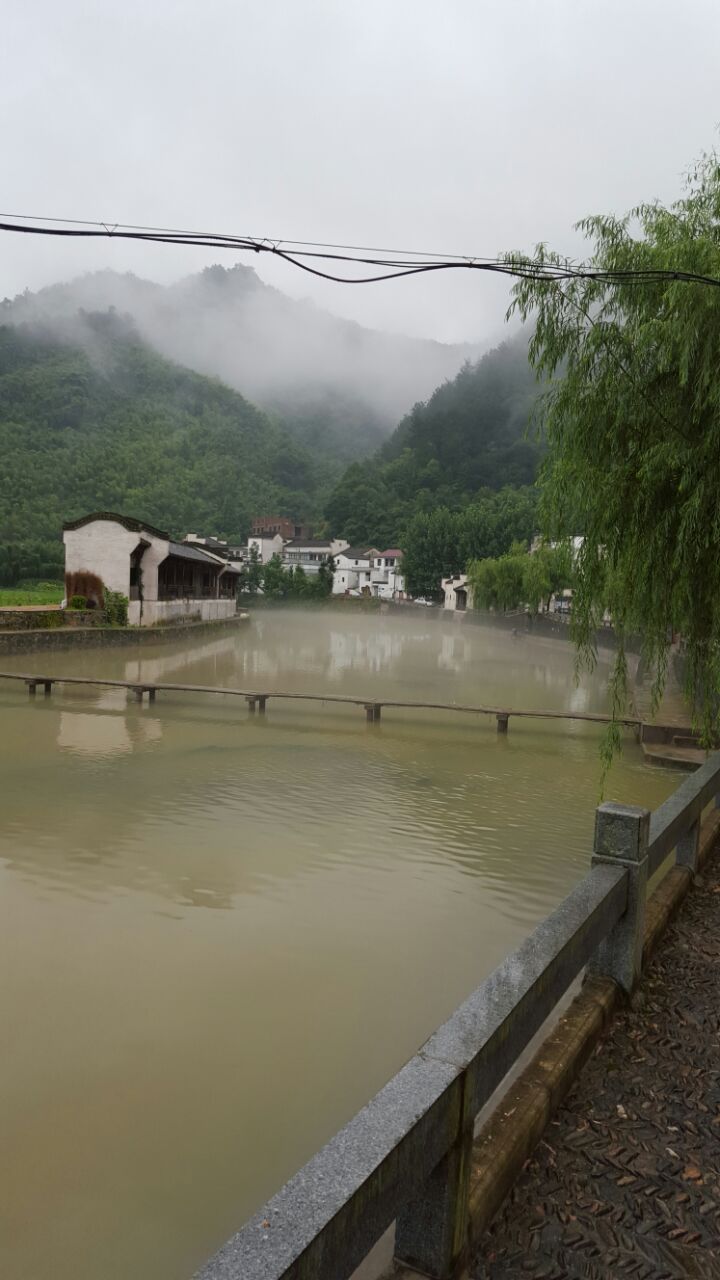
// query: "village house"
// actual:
[[163, 580], [266, 545], [458, 593], [352, 570], [309, 553], [386, 579], [270, 526]]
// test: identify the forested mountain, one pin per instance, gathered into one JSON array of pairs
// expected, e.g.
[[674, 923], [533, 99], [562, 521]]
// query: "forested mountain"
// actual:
[[468, 438], [91, 418], [333, 383]]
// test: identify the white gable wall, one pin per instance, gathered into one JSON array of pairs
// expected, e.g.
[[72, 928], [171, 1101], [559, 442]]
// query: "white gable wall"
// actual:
[[104, 547]]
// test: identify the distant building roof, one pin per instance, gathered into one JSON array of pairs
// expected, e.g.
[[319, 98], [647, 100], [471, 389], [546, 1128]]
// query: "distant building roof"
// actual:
[[356, 553], [209, 543], [185, 552], [315, 544], [394, 551]]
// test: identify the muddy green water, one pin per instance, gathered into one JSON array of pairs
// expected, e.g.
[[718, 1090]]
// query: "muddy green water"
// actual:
[[220, 936]]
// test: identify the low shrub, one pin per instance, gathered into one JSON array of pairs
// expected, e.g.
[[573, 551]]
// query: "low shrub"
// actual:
[[116, 608]]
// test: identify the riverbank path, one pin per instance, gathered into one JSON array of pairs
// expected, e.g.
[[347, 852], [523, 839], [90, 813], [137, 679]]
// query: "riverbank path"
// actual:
[[626, 1181]]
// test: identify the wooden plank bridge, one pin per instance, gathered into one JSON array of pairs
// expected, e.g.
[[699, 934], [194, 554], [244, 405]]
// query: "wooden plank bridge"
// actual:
[[257, 700]]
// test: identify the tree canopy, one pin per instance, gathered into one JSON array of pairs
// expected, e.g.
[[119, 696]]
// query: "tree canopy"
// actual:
[[440, 543], [92, 418], [467, 439], [631, 417], [521, 577]]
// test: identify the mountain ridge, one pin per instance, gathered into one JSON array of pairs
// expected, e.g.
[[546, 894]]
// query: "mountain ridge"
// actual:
[[332, 382]]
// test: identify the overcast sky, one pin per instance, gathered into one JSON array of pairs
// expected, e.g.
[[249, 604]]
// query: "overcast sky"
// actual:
[[461, 126]]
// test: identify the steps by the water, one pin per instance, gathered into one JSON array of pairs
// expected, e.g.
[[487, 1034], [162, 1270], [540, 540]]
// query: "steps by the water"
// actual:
[[670, 756]]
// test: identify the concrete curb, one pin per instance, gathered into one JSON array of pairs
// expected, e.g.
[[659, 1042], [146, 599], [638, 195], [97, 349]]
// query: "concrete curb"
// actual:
[[509, 1136]]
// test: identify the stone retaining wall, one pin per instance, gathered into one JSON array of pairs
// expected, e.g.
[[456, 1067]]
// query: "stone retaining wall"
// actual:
[[66, 638], [48, 619]]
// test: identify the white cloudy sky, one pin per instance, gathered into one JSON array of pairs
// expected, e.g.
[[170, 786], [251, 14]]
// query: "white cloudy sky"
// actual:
[[466, 126]]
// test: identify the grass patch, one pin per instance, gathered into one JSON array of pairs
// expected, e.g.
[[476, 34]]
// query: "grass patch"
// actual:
[[32, 593]]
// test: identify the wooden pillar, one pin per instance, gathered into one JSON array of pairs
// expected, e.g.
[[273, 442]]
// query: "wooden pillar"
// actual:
[[261, 705], [48, 688], [502, 722]]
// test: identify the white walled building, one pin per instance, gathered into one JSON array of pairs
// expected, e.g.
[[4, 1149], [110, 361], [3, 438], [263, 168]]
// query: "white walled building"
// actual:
[[352, 570], [162, 579], [386, 579], [309, 553], [457, 592], [266, 547]]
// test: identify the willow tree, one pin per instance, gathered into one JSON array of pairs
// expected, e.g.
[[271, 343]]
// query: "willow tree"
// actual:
[[631, 416]]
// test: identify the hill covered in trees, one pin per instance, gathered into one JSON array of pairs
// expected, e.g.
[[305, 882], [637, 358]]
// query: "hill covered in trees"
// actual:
[[92, 418], [467, 441], [333, 384]]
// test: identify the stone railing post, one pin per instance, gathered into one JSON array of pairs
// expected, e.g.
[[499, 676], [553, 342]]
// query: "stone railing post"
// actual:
[[431, 1232], [686, 854], [621, 840]]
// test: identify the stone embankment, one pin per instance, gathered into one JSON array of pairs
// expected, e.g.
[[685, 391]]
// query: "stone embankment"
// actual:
[[57, 638]]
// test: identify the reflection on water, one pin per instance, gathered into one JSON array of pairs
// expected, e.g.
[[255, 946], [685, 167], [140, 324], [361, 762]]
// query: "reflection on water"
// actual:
[[220, 935]]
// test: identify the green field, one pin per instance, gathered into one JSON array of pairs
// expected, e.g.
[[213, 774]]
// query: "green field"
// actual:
[[32, 593]]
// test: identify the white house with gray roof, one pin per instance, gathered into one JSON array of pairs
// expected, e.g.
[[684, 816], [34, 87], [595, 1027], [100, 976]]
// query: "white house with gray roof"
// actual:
[[163, 580], [352, 570]]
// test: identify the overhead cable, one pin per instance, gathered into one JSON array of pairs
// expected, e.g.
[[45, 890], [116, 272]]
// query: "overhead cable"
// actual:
[[387, 264]]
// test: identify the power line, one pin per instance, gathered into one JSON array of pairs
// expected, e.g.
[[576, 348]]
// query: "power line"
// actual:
[[288, 241], [395, 264]]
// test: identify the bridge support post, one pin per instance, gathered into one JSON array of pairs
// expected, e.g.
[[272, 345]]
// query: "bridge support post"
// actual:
[[251, 705], [261, 705], [686, 854], [48, 688], [31, 688], [369, 712], [502, 722], [431, 1232], [621, 840], [151, 694], [138, 694]]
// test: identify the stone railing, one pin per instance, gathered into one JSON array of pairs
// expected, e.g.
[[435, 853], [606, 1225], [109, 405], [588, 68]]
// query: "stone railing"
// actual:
[[405, 1157]]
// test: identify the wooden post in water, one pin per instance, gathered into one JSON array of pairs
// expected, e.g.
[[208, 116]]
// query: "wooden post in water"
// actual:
[[502, 722]]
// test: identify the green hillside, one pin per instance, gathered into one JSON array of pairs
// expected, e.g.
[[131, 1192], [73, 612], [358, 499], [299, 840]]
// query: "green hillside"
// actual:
[[469, 438], [91, 418]]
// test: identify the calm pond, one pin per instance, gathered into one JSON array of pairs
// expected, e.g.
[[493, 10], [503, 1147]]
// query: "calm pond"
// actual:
[[221, 935]]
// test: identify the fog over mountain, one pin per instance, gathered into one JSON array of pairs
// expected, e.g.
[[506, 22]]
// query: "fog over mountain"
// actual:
[[338, 384]]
